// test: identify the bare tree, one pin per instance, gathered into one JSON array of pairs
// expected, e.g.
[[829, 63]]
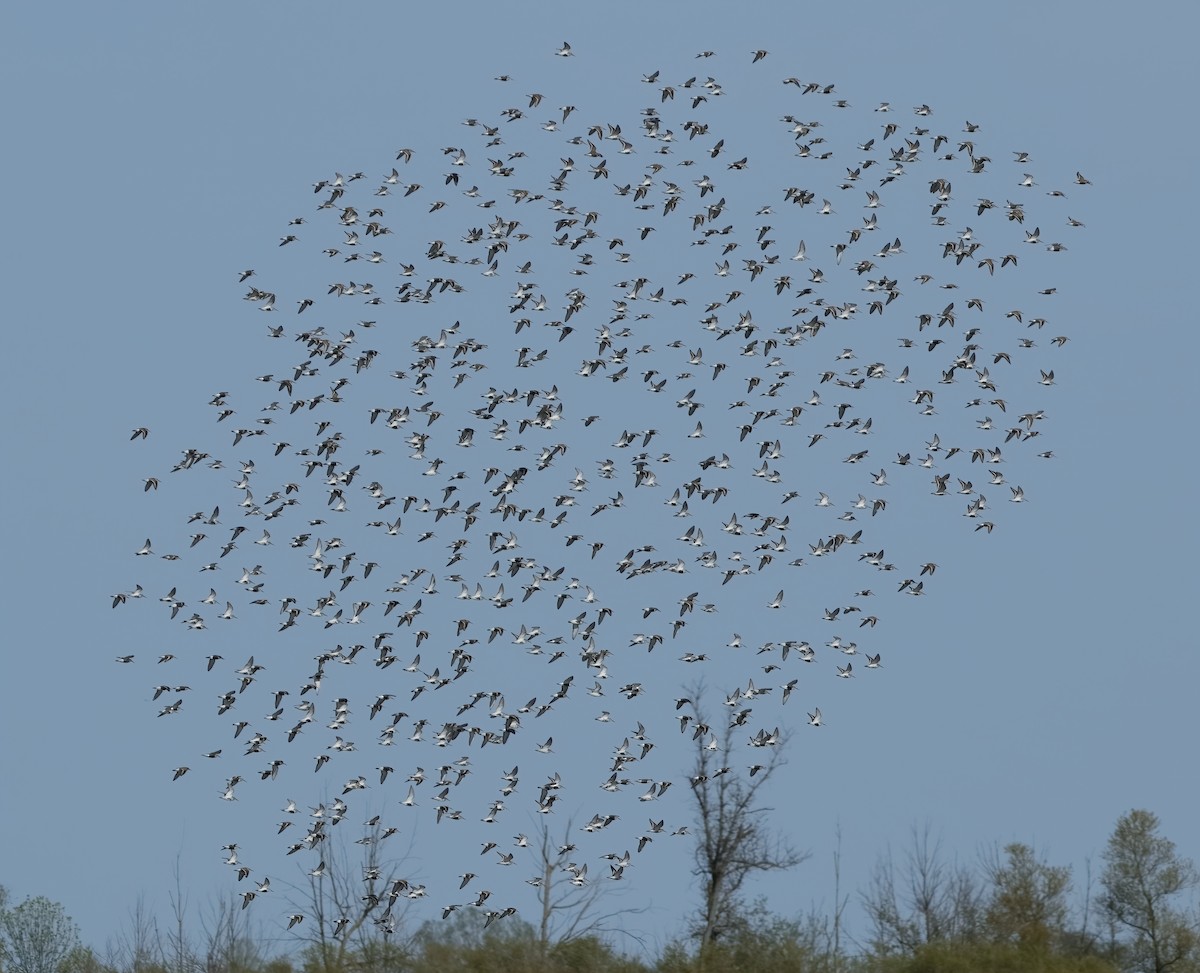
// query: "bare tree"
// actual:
[[350, 907], [138, 949], [231, 943], [182, 955], [839, 901], [571, 906], [733, 837], [926, 899]]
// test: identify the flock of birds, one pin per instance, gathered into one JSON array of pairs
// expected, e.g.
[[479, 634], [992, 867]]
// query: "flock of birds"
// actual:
[[536, 453]]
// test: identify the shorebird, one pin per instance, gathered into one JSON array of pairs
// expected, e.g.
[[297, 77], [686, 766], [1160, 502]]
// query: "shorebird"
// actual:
[[413, 465]]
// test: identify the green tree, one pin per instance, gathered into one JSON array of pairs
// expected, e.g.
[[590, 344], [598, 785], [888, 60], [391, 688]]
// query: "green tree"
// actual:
[[1142, 878], [590, 954], [467, 943], [762, 941], [1027, 901], [83, 960], [37, 936], [984, 957]]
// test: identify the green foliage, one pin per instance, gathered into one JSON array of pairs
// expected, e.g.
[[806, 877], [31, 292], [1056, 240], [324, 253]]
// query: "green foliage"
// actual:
[[36, 936], [464, 944], [82, 960], [370, 956], [590, 954], [675, 958], [759, 940], [1143, 878], [983, 957], [1028, 898]]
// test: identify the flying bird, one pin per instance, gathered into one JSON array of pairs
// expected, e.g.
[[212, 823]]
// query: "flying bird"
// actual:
[[481, 453]]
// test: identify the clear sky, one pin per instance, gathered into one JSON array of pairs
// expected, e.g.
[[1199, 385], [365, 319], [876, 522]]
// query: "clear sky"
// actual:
[[1044, 683]]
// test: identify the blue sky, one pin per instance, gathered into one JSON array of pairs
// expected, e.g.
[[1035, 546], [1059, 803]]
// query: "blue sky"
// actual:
[[1044, 684]]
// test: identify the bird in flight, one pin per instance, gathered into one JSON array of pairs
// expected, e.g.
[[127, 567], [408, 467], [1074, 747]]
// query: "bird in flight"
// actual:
[[555, 379]]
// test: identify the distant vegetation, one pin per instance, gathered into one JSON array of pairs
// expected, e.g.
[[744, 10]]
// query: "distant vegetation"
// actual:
[[1012, 912]]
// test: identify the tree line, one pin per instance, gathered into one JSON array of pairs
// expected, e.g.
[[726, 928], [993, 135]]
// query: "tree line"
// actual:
[[1012, 911]]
